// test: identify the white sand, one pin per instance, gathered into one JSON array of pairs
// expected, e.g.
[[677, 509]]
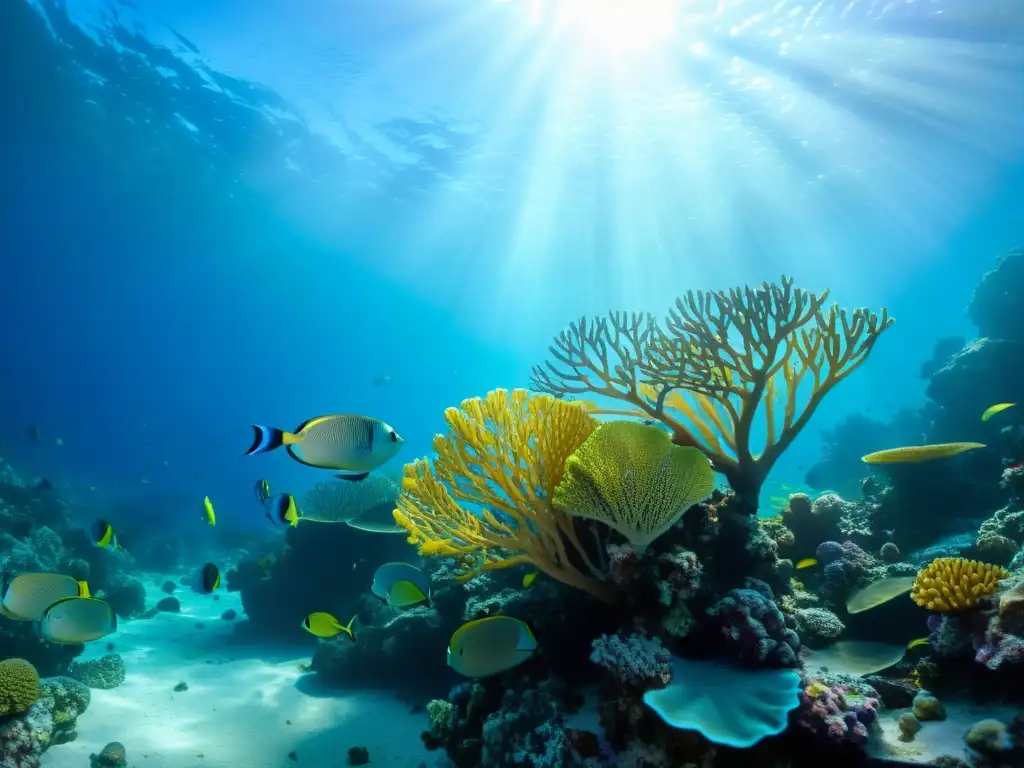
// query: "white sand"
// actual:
[[236, 711]]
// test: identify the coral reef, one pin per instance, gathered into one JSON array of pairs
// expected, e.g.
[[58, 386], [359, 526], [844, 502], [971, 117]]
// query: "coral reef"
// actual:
[[955, 584], [104, 673], [19, 686], [48, 722]]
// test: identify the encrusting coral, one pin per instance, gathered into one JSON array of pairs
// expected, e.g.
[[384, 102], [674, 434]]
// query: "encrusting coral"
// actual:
[[955, 584], [503, 456], [631, 477], [719, 358]]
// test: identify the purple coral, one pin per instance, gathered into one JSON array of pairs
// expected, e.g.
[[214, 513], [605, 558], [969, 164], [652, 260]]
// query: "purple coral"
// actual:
[[996, 648], [635, 660], [755, 628], [846, 564], [682, 574], [838, 712]]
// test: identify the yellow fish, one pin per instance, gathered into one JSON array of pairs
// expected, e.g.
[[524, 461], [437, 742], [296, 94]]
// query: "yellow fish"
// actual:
[[529, 578], [915, 454], [326, 626], [405, 594], [104, 537], [489, 646], [992, 410], [807, 562], [208, 514], [917, 642]]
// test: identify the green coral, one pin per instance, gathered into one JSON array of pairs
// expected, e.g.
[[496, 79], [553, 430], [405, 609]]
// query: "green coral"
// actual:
[[442, 718], [19, 686], [631, 477], [106, 673]]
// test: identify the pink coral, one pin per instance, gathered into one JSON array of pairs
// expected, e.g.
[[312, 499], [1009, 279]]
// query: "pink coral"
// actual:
[[838, 712], [996, 648]]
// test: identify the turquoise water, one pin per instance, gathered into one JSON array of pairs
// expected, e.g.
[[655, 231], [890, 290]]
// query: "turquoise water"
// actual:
[[219, 214]]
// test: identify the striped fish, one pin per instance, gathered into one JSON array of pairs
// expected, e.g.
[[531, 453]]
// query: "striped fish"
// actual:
[[352, 443]]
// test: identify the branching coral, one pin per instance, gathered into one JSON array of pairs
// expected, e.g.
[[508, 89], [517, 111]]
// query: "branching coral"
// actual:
[[501, 458], [955, 584], [720, 356]]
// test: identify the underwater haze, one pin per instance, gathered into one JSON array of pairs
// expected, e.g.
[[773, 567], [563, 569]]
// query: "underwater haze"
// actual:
[[225, 214]]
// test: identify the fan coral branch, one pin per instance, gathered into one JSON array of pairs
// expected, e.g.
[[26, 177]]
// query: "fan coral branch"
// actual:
[[486, 498], [718, 358]]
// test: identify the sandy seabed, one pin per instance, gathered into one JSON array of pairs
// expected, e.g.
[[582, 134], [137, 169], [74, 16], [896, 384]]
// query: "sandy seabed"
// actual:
[[242, 708]]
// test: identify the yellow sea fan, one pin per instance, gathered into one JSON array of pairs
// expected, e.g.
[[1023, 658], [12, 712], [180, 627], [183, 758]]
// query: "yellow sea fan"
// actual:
[[915, 454], [485, 499], [955, 584], [631, 477]]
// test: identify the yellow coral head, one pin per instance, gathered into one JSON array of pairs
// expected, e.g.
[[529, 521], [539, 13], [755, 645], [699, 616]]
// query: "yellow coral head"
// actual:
[[955, 584], [632, 478]]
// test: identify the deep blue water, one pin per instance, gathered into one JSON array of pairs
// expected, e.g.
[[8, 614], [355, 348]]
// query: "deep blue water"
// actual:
[[221, 213]]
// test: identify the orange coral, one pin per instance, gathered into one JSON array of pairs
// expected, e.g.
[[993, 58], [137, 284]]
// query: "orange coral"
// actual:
[[955, 584]]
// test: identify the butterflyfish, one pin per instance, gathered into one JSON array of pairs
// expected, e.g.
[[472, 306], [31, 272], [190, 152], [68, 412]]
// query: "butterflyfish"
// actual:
[[354, 444], [326, 626], [489, 646], [207, 579], [29, 594], [389, 574], [208, 514], [103, 535], [807, 562], [77, 620], [878, 592], [992, 410], [405, 594], [282, 510]]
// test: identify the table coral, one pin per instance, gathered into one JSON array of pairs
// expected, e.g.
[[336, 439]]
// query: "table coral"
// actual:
[[754, 628]]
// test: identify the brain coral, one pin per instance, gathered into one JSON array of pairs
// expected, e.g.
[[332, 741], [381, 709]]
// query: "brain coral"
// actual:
[[955, 584], [19, 686]]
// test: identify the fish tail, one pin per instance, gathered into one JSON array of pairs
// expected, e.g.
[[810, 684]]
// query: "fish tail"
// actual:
[[266, 439], [348, 630], [83, 589]]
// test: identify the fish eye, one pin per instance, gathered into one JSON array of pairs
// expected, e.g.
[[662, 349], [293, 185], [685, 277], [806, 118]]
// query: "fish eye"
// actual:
[[394, 436]]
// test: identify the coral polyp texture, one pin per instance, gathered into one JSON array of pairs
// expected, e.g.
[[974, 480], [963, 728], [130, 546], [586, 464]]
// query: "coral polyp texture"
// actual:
[[486, 498], [955, 584], [722, 367], [19, 686]]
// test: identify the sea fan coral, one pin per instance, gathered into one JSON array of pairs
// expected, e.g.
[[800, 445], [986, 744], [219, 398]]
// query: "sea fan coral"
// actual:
[[955, 584]]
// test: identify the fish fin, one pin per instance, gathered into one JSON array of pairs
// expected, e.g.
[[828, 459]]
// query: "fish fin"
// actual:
[[83, 589], [348, 630], [531, 637], [354, 478], [265, 439]]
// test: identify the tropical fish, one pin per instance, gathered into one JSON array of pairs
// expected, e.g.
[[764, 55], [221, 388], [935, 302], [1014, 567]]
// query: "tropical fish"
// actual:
[[262, 491], [529, 578], [389, 574], [325, 625], [379, 518], [405, 594], [878, 592], [282, 510], [206, 580], [77, 620], [854, 657], [348, 442], [489, 646], [29, 594], [807, 562], [915, 643], [992, 410], [208, 514], [915, 454], [103, 535]]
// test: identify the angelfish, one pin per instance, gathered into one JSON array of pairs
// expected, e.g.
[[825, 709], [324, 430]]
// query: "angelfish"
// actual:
[[354, 444]]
